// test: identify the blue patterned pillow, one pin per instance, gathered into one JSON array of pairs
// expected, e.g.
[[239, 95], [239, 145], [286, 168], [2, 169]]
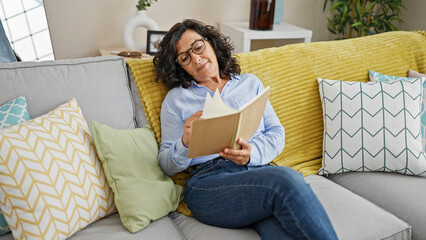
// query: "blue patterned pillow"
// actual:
[[375, 76], [373, 126], [12, 113]]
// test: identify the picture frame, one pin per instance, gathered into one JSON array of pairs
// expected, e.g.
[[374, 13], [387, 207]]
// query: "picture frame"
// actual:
[[153, 40]]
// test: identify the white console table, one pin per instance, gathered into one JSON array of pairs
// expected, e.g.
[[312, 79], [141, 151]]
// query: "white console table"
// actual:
[[242, 36]]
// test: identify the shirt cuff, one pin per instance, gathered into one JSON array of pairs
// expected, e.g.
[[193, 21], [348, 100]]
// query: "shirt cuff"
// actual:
[[254, 155], [180, 150]]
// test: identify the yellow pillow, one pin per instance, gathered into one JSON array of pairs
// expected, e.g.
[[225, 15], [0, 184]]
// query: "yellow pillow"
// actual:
[[51, 181]]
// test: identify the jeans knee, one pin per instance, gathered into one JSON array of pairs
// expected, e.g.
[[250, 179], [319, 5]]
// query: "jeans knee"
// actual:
[[286, 176]]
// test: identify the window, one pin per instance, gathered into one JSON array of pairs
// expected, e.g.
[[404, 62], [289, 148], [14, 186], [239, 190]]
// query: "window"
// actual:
[[25, 24]]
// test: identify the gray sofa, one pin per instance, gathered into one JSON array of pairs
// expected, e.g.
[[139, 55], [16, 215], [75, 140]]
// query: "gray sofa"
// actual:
[[360, 205]]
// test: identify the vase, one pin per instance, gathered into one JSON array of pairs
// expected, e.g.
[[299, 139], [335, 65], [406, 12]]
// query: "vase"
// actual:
[[139, 20], [262, 14], [278, 14]]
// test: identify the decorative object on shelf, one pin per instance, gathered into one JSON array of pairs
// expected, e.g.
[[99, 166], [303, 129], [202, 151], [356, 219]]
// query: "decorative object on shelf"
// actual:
[[139, 20], [363, 17], [144, 4], [123, 52], [129, 54], [153, 41], [278, 13], [262, 14]]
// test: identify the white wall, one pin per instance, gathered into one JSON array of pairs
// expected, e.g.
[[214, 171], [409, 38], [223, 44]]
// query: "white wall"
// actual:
[[79, 28], [415, 17]]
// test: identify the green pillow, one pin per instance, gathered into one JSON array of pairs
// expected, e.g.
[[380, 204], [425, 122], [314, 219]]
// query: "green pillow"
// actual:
[[142, 192]]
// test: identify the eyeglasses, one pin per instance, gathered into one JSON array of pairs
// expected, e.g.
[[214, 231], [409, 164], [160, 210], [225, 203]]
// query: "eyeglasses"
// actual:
[[197, 47]]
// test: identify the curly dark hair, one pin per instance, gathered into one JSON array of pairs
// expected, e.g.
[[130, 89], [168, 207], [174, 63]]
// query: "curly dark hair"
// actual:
[[172, 74]]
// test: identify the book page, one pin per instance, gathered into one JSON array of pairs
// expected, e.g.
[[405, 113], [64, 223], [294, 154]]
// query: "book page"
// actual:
[[215, 107]]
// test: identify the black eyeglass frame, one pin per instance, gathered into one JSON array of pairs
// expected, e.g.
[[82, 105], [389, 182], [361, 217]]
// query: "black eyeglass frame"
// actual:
[[192, 50]]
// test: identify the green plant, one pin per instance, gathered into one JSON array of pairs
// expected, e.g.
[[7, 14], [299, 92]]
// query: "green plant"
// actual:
[[144, 4], [355, 18]]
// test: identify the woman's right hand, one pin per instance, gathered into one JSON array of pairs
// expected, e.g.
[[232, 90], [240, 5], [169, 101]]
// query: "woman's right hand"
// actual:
[[186, 138]]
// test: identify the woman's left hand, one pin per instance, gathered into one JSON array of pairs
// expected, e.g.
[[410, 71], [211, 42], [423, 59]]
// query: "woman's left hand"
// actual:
[[239, 156]]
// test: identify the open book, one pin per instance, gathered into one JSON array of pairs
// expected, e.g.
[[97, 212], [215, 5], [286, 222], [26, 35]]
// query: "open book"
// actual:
[[221, 126]]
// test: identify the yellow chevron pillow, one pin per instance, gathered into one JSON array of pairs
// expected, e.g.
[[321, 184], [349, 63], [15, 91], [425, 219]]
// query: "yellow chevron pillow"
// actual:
[[51, 181]]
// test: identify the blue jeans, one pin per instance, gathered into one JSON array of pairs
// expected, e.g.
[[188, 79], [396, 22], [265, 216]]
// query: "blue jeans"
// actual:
[[276, 201]]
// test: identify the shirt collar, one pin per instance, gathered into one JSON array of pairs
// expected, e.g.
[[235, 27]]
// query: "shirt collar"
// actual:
[[236, 77], [195, 84]]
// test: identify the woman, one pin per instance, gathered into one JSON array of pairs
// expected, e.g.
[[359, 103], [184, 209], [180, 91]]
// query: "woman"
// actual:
[[235, 188]]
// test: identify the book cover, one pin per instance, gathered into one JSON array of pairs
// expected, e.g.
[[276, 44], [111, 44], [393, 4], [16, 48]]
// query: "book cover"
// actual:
[[221, 126]]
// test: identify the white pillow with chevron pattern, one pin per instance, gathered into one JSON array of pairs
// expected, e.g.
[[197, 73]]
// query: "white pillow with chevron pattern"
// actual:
[[51, 181], [373, 126], [376, 76]]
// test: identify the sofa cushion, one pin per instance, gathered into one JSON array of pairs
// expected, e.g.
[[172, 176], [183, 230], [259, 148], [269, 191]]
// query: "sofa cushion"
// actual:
[[192, 229], [412, 73], [139, 111], [12, 113], [376, 76], [353, 217], [142, 192], [51, 182], [401, 195], [99, 84], [372, 126]]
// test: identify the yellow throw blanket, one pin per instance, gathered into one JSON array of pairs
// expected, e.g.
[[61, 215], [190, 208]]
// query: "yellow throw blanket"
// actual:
[[291, 72]]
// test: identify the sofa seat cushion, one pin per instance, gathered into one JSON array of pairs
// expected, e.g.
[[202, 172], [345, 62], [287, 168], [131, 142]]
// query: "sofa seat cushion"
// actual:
[[192, 229], [100, 85], [111, 228], [353, 217], [401, 195]]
